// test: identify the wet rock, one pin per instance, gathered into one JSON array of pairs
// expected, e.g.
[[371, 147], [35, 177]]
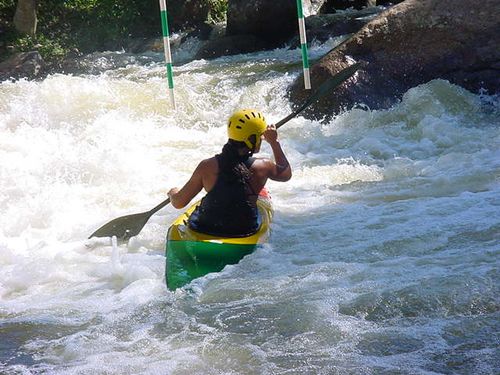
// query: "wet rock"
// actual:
[[22, 65], [324, 26], [230, 45], [256, 25], [314, 8], [410, 44], [332, 5], [202, 31], [272, 21], [139, 45], [187, 13], [389, 2]]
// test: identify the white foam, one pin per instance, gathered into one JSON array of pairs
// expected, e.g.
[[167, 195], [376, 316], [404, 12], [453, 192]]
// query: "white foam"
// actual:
[[375, 198]]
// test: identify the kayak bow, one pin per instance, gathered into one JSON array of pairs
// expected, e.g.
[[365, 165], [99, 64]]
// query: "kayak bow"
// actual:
[[191, 254]]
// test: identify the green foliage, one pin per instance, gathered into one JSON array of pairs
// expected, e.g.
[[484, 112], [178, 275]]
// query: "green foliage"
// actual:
[[218, 11], [7, 4], [87, 25], [51, 50], [7, 10], [98, 24]]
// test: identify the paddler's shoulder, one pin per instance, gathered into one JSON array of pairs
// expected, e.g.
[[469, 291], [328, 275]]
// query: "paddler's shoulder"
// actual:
[[208, 164]]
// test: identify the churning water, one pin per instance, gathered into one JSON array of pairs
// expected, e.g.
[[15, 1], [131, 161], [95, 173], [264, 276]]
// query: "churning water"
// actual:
[[383, 257]]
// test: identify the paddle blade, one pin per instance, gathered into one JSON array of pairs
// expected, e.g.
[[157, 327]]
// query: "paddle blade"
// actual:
[[123, 227]]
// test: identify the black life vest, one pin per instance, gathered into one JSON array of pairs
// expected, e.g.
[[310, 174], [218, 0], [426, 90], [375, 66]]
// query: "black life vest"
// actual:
[[227, 209]]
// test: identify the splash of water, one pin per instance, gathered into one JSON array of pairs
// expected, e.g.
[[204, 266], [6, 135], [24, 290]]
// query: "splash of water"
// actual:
[[383, 256]]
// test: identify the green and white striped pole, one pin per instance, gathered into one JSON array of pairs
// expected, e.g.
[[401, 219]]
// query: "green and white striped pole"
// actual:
[[303, 45], [166, 48]]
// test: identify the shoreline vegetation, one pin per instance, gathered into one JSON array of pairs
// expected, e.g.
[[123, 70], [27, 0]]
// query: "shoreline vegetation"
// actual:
[[401, 43], [66, 29]]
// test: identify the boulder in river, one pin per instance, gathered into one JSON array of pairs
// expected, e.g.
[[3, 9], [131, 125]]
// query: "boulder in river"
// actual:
[[257, 25], [25, 64], [230, 45], [322, 27], [332, 5], [272, 21], [409, 44], [187, 13]]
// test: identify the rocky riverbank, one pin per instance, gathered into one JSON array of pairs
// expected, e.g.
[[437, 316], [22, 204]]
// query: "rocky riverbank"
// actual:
[[413, 43], [403, 45], [248, 29]]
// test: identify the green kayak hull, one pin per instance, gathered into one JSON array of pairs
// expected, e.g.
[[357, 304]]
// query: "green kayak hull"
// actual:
[[188, 260], [190, 254]]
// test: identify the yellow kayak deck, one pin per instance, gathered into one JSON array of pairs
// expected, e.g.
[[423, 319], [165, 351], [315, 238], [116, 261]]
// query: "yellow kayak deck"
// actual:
[[191, 254]]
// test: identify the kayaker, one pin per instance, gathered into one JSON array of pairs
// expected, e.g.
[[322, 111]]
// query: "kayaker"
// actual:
[[234, 178]]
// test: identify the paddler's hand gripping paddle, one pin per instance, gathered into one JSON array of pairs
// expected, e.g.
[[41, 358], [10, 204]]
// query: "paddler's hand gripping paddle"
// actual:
[[128, 226]]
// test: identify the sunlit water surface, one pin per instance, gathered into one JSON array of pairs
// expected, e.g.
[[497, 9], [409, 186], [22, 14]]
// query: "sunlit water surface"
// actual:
[[385, 245]]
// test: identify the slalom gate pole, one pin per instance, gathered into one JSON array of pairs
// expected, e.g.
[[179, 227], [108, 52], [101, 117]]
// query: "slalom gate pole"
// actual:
[[303, 45], [166, 48]]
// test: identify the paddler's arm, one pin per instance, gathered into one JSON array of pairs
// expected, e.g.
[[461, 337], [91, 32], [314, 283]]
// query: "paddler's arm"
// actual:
[[180, 198], [280, 170]]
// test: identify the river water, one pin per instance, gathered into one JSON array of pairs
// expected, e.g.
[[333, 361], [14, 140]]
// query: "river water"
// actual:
[[384, 255]]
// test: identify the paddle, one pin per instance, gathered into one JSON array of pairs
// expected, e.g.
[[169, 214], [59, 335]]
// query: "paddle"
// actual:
[[325, 87], [128, 226]]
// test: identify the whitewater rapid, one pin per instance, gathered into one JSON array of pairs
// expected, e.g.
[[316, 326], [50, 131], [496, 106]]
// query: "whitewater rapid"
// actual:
[[383, 257]]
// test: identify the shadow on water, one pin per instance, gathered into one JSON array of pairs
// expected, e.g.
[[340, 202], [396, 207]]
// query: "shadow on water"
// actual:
[[16, 335]]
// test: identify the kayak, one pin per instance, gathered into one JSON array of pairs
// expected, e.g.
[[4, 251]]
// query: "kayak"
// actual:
[[190, 254]]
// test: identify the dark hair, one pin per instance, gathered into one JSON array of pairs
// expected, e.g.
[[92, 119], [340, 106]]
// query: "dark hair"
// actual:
[[232, 161]]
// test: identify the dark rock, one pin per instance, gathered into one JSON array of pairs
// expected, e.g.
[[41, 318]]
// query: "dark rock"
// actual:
[[202, 31], [332, 5], [187, 13], [138, 45], [230, 45], [389, 2], [314, 8], [319, 27], [324, 26], [256, 25], [22, 65], [272, 21], [410, 44]]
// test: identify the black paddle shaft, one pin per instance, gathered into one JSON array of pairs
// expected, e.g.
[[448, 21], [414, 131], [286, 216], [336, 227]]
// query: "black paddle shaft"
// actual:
[[325, 87]]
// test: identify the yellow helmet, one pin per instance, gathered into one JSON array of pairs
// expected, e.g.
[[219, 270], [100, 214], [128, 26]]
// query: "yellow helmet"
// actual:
[[247, 125]]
